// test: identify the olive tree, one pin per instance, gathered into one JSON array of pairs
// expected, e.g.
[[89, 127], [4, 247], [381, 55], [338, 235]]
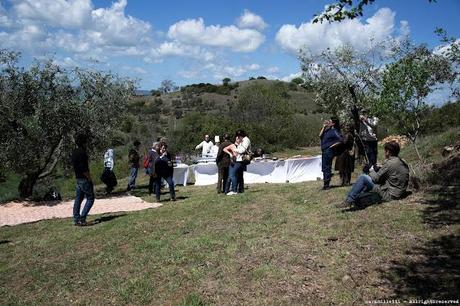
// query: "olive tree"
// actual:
[[344, 79], [44, 106], [344, 9], [406, 85]]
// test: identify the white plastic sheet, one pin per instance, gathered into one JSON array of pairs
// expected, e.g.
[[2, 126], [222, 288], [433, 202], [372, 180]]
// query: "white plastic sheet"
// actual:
[[282, 171]]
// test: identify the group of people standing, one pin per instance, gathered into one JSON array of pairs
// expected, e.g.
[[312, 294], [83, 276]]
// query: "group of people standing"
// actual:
[[158, 164], [232, 157], [341, 142], [376, 184]]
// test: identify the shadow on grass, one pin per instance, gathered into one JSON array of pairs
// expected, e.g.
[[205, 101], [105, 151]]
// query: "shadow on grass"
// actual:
[[4, 241], [108, 218], [103, 219], [432, 271]]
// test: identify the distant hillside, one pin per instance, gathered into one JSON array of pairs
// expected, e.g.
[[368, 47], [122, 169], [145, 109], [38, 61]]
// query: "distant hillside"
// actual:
[[160, 115]]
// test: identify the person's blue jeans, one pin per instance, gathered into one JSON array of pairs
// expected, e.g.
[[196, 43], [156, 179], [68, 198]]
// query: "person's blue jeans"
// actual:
[[235, 173], [132, 177], [326, 165], [169, 180], [84, 189], [364, 183]]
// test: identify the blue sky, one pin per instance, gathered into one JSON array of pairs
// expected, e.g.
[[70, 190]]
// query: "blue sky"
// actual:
[[204, 41]]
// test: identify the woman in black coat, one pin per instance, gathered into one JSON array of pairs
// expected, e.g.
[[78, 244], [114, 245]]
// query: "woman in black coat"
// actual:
[[164, 169], [345, 162]]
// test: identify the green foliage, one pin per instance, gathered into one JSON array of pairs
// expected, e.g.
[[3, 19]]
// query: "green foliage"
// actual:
[[406, 84], [344, 9], [167, 86], [155, 93], [343, 79], [452, 52], [43, 107], [441, 119], [224, 89], [298, 81], [265, 110]]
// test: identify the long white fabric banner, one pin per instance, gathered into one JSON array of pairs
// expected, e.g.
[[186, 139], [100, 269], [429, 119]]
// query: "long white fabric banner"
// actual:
[[280, 171]]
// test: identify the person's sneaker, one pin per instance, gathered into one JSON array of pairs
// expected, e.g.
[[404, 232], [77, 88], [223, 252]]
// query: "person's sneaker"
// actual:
[[344, 204], [326, 187], [173, 199], [232, 193], [81, 223]]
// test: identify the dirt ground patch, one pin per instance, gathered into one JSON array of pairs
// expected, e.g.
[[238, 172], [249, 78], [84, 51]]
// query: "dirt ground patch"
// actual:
[[14, 213]]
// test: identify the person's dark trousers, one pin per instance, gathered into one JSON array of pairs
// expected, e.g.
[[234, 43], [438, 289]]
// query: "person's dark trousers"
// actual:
[[222, 179], [233, 172], [169, 180], [132, 178], [240, 179], [83, 189], [345, 178], [152, 182], [370, 148], [326, 165]]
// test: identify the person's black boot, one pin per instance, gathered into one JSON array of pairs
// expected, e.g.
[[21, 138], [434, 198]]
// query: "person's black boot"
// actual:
[[326, 186]]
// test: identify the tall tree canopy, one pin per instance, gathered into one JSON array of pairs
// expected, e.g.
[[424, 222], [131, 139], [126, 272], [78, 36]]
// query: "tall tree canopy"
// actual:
[[44, 106]]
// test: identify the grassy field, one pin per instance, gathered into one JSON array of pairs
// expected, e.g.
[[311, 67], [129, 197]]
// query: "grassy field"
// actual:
[[276, 244]]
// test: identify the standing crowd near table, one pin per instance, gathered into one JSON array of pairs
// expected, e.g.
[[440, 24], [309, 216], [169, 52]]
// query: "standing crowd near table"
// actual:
[[233, 156]]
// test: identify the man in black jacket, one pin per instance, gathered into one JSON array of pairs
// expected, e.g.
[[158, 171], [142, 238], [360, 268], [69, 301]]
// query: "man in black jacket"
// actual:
[[84, 182], [223, 163]]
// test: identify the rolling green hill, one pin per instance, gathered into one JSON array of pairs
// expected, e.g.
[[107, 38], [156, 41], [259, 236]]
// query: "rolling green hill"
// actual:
[[162, 115]]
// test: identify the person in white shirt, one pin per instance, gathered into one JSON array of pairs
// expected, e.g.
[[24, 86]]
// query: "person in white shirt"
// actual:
[[215, 148], [238, 166], [205, 147]]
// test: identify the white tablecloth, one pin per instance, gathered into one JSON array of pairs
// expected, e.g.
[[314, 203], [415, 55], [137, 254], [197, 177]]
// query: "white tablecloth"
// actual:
[[280, 171], [180, 175]]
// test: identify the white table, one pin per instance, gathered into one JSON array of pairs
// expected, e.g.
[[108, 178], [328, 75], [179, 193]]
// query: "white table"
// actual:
[[280, 171], [180, 175]]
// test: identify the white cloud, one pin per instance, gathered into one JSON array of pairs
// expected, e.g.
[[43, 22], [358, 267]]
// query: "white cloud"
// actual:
[[66, 62], [177, 49], [194, 32], [219, 71], [446, 48], [137, 70], [80, 30], [233, 71], [318, 36], [273, 69], [249, 20], [62, 13], [111, 26]]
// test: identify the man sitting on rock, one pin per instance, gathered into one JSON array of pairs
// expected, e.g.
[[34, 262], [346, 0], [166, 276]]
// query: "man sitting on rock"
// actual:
[[386, 184]]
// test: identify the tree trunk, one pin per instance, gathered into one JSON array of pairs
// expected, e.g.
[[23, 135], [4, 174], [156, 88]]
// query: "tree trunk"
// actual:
[[26, 186], [356, 121]]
